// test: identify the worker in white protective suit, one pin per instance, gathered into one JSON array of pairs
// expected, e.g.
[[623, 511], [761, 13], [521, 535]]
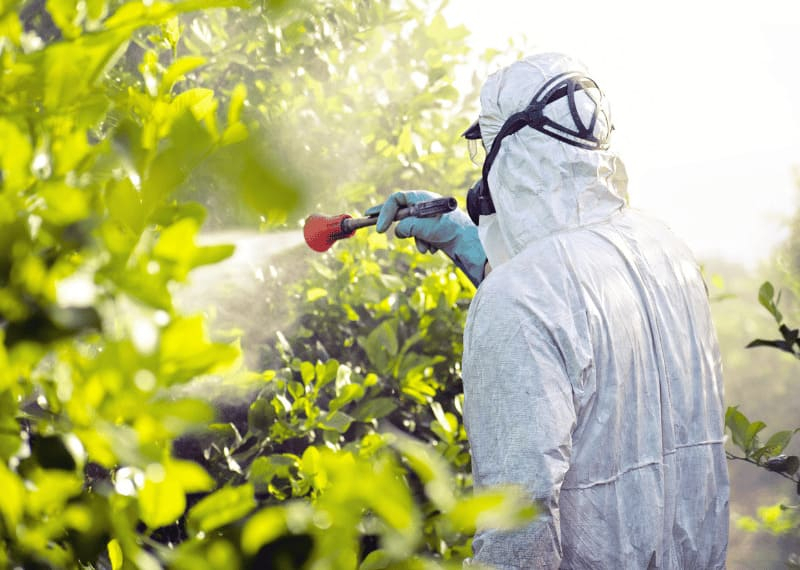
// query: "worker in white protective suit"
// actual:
[[591, 370]]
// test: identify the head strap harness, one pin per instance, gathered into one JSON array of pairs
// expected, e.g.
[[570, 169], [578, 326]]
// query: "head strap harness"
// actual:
[[479, 201]]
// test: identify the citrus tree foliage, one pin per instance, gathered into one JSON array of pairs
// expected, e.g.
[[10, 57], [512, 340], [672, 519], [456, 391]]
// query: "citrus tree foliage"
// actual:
[[369, 374], [768, 452], [108, 119], [356, 97], [91, 239], [375, 353]]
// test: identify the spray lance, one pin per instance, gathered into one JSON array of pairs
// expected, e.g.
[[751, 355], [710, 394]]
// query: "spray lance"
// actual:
[[322, 231]]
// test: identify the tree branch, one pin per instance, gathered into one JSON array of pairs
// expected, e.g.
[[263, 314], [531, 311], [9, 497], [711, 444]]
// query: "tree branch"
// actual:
[[730, 455]]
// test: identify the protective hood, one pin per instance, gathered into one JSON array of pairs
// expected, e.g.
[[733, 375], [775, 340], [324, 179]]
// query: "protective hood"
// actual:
[[539, 184]]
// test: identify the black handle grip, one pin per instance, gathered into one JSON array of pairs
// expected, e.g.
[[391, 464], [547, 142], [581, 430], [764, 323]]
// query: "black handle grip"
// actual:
[[426, 209]]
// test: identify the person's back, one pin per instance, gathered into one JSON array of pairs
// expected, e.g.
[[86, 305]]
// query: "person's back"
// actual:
[[591, 369], [656, 401], [627, 358]]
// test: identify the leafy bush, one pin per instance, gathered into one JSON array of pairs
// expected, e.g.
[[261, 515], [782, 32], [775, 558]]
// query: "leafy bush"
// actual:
[[769, 453], [90, 242], [744, 433], [374, 354], [103, 136]]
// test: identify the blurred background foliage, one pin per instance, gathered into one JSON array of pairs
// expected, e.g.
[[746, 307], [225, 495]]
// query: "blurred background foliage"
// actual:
[[124, 126], [170, 400]]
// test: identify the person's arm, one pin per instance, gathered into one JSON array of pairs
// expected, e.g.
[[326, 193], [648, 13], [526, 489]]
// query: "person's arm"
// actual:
[[453, 233], [519, 416]]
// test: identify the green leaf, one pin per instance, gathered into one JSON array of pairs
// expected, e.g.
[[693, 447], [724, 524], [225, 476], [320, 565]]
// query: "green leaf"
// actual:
[[136, 14], [376, 560], [13, 497], [16, 153], [10, 439], [51, 490], [738, 423], [210, 254], [431, 468], [262, 528], [307, 372], [10, 28], [375, 408], [161, 502], [381, 344], [69, 70], [350, 312], [200, 101], [315, 293], [186, 351], [336, 421], [96, 9], [777, 519], [748, 524], [176, 242], [173, 212], [125, 206], [750, 439], [65, 16], [233, 134], [296, 389], [63, 204], [222, 507], [115, 554], [178, 69], [347, 394], [189, 143], [68, 151], [178, 414], [261, 473], [191, 476], [265, 468], [260, 416], [778, 442], [766, 294], [497, 508], [404, 143], [326, 372]]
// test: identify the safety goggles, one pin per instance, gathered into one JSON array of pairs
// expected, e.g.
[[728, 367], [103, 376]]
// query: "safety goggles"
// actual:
[[565, 85], [477, 151]]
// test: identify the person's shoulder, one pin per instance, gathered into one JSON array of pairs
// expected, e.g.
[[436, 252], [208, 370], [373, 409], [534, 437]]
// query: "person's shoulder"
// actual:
[[497, 311], [659, 232], [505, 282], [527, 285]]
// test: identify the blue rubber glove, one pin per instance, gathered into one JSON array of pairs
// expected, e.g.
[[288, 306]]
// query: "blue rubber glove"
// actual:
[[453, 233]]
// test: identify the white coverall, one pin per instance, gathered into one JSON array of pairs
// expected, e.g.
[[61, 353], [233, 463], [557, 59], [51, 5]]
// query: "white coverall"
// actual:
[[591, 369]]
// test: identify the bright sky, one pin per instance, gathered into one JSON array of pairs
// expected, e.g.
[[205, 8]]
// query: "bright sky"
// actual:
[[705, 96]]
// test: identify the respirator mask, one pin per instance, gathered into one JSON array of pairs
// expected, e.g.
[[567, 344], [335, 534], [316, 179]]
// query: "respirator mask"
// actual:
[[581, 135]]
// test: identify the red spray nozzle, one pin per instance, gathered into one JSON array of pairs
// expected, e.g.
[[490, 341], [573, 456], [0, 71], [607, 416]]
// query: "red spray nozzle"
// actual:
[[322, 231]]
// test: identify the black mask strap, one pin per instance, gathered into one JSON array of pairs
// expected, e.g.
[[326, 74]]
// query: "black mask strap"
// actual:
[[484, 205], [566, 84]]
